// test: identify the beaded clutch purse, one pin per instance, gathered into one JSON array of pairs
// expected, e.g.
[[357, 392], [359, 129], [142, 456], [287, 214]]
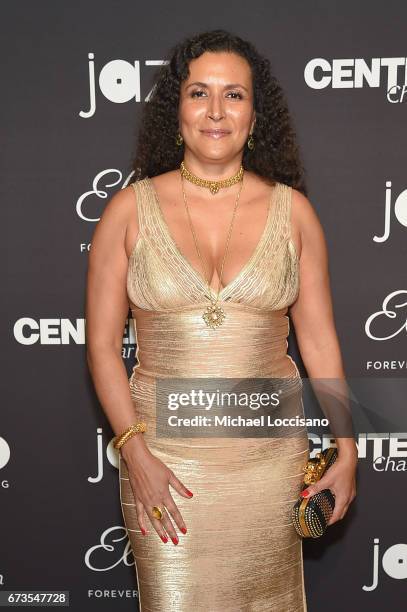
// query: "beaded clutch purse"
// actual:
[[311, 516]]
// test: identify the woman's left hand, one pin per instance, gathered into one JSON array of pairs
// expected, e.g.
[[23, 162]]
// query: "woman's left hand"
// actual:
[[341, 480]]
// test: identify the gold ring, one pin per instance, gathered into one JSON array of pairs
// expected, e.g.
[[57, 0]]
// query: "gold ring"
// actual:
[[157, 512]]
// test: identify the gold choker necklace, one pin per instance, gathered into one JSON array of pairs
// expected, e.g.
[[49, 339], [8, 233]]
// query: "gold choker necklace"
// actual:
[[213, 186]]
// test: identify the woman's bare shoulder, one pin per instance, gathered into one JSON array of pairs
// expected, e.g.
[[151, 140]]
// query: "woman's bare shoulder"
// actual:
[[121, 206], [303, 211], [305, 220], [166, 184], [167, 177], [118, 223]]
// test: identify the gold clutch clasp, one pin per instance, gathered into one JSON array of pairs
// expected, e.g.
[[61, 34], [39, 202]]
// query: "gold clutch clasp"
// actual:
[[314, 469]]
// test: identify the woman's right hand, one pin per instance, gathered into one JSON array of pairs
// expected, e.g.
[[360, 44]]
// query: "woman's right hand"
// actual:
[[150, 479]]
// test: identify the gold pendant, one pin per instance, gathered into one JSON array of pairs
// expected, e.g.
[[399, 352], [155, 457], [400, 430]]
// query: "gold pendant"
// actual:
[[214, 315]]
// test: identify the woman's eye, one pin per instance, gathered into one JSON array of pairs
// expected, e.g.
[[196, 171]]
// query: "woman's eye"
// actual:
[[233, 93]]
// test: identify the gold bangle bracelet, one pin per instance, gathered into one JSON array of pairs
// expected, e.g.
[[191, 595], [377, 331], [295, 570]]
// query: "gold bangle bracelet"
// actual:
[[140, 427]]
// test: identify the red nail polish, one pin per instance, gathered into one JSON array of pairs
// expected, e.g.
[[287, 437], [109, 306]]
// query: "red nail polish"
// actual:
[[164, 539], [304, 493], [183, 529], [189, 493], [143, 531], [175, 540]]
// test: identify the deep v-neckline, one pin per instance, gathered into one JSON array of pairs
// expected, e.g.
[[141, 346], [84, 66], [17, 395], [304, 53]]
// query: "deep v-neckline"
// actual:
[[190, 268]]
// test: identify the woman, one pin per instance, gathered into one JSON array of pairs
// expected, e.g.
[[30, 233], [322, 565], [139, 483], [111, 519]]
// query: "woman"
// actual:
[[160, 246]]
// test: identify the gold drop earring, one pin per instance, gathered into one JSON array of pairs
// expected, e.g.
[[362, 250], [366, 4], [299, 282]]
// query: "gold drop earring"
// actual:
[[179, 140], [250, 142]]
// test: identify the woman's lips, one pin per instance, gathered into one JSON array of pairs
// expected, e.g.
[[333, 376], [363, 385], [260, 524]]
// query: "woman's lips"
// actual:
[[215, 133]]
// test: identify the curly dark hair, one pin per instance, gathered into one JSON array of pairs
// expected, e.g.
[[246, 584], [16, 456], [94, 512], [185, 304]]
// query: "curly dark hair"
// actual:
[[276, 154]]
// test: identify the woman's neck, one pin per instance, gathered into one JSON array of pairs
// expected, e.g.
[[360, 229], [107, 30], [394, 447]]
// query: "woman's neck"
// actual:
[[212, 170]]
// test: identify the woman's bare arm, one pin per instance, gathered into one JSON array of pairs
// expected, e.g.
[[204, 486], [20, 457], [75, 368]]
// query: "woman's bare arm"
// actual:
[[106, 312], [312, 312], [313, 319]]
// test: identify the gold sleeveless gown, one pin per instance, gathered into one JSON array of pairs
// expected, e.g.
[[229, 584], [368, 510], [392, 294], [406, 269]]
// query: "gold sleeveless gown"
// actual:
[[241, 552]]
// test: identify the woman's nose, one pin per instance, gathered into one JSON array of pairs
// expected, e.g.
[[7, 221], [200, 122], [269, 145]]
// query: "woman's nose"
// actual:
[[215, 108]]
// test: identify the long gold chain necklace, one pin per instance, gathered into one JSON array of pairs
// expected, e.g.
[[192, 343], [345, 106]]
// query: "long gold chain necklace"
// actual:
[[214, 314], [213, 186]]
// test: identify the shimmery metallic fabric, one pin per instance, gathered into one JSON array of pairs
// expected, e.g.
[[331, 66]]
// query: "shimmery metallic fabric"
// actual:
[[241, 552]]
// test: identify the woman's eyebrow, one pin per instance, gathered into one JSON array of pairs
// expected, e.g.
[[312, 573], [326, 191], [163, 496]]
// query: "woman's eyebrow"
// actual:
[[228, 86]]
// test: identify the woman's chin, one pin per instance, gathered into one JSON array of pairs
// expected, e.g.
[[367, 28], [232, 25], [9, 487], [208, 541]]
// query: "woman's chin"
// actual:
[[217, 152]]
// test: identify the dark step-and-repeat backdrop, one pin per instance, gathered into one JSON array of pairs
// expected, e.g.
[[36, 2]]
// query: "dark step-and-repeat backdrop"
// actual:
[[74, 79]]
